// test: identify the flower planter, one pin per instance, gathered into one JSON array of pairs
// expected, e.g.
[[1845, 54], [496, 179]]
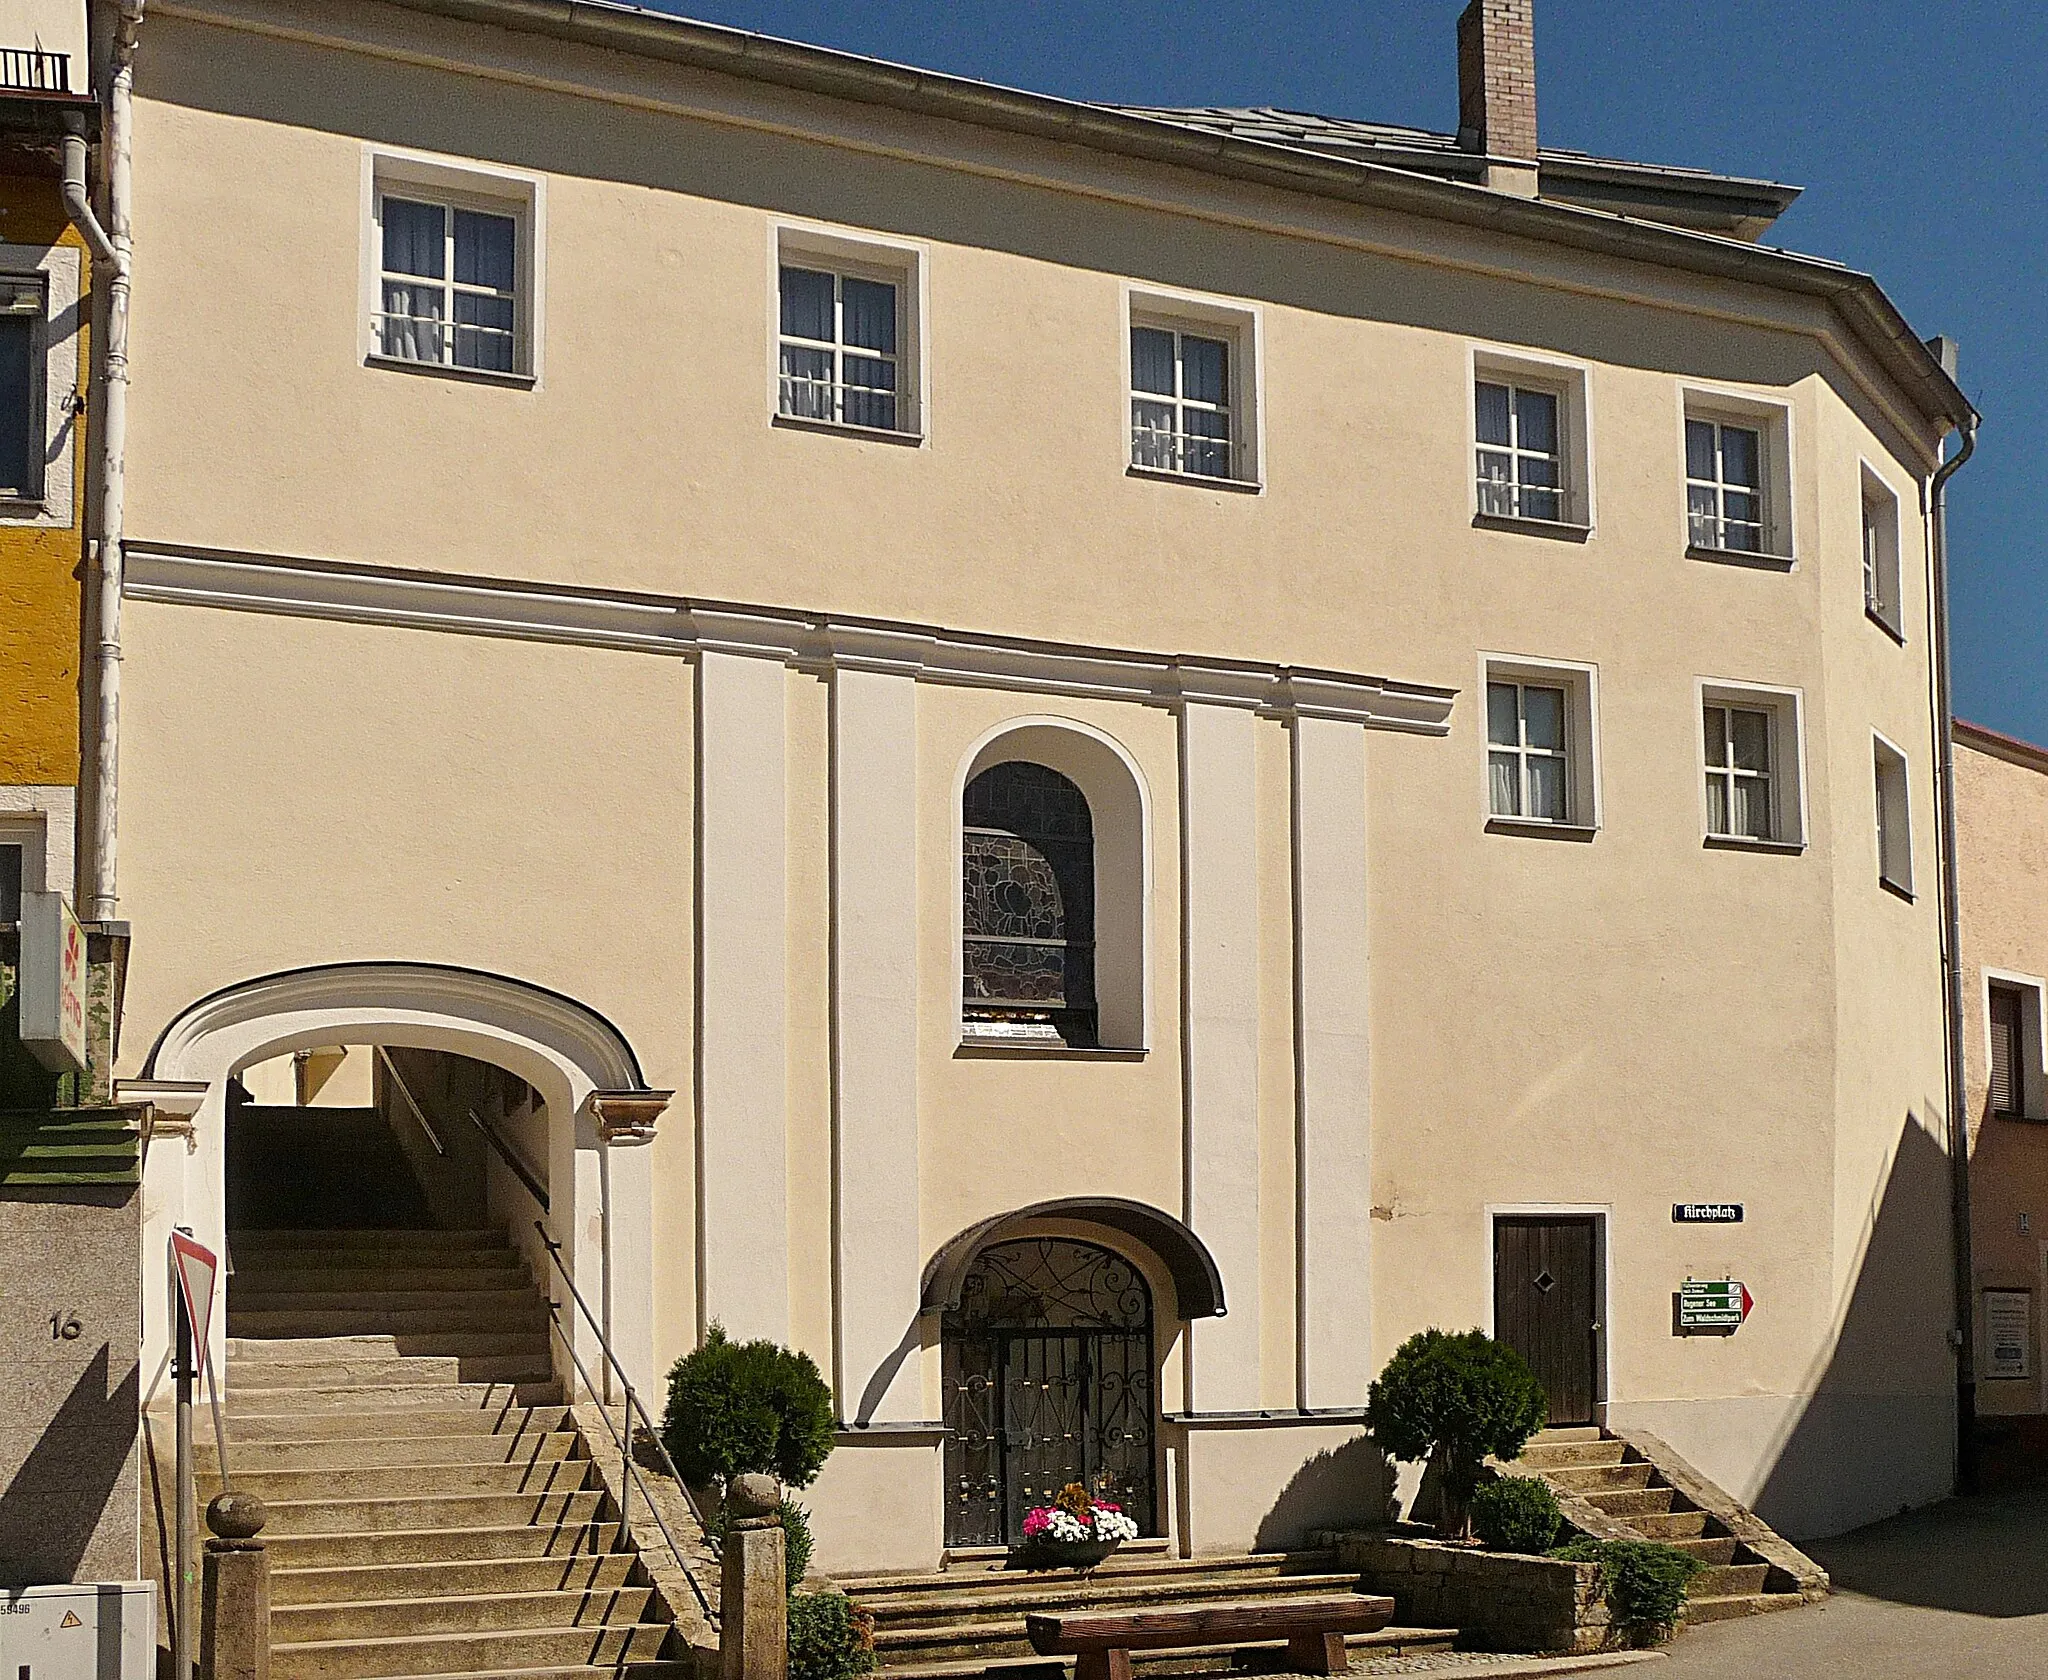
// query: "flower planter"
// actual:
[[1042, 1553]]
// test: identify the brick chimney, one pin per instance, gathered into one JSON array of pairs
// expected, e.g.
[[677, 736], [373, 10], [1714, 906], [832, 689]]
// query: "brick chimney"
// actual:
[[1497, 91]]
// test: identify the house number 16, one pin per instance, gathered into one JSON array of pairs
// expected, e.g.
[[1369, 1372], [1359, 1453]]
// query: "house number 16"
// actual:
[[64, 1327]]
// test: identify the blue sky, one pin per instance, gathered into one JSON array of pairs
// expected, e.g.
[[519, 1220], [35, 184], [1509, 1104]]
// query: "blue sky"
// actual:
[[1916, 130]]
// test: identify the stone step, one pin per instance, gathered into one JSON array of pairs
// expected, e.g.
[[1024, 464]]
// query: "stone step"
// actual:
[[336, 1453], [1670, 1525], [909, 1610], [385, 1423], [513, 1298], [399, 1481], [451, 1510], [397, 1370], [495, 1653], [1600, 1478], [377, 1548], [1574, 1435], [992, 1635], [289, 1413], [1544, 1456], [384, 1275], [1630, 1503], [378, 1240], [1729, 1580], [430, 1578], [493, 1311], [1698, 1610], [1198, 1659], [1712, 1552], [255, 1356], [601, 1607], [1124, 1566], [656, 1670]]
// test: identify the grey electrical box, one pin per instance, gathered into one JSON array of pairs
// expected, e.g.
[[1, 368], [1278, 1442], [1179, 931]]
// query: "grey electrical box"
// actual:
[[103, 1630]]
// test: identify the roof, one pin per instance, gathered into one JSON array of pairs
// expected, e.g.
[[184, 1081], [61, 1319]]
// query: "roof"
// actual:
[[2025, 754], [1696, 198], [1871, 318]]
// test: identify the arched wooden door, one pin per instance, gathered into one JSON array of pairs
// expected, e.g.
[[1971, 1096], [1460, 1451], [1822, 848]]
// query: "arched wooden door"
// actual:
[[1048, 1379]]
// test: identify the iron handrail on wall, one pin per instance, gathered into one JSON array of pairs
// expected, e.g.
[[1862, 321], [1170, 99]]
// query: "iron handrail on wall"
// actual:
[[629, 1471], [518, 1168], [405, 1091]]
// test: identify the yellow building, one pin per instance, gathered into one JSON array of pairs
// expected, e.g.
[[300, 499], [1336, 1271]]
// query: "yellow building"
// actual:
[[45, 305], [1325, 729]]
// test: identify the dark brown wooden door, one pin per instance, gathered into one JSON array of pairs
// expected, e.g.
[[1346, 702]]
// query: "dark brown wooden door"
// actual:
[[1546, 1305]]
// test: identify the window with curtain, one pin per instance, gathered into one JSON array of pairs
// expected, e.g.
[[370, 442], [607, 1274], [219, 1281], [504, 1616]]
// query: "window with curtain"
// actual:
[[2006, 1095], [22, 310], [1724, 486], [1521, 461], [1028, 905], [449, 289], [1739, 772], [1181, 407], [1527, 761], [837, 356]]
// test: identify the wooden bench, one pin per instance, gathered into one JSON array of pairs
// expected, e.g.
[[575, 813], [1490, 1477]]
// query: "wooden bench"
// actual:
[[1314, 1628]]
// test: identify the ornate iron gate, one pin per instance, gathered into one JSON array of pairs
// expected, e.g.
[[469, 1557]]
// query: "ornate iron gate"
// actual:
[[1048, 1380]]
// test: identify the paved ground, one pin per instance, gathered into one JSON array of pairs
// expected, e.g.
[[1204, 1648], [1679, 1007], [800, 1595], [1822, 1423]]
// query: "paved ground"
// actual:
[[1959, 1589]]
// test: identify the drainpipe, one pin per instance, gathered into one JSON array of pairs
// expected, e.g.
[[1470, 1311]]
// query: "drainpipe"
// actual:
[[111, 248], [1952, 962]]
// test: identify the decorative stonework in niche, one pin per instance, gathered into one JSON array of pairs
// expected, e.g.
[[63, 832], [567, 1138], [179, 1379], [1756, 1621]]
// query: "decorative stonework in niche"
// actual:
[[1028, 906]]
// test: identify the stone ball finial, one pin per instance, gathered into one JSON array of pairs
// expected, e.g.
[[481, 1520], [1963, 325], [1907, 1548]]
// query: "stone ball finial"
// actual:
[[237, 1516], [753, 1495]]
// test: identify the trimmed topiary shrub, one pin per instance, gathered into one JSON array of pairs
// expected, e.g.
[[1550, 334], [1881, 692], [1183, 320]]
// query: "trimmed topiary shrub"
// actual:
[[829, 1638], [1516, 1514], [736, 1408], [1645, 1580], [1453, 1399]]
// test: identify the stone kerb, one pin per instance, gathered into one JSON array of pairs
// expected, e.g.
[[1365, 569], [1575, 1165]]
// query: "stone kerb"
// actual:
[[1498, 1601]]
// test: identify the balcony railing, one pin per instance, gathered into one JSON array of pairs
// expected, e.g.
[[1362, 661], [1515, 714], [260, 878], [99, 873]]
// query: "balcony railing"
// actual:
[[31, 70]]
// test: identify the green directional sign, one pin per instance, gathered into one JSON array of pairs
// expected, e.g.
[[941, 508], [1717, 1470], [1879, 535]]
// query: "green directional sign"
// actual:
[[1713, 1304]]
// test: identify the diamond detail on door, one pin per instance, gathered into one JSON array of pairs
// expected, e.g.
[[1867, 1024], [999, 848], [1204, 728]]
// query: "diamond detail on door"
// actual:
[[1544, 1281]]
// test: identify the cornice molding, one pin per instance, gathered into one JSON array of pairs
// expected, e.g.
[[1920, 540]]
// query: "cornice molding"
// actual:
[[628, 1117], [175, 573]]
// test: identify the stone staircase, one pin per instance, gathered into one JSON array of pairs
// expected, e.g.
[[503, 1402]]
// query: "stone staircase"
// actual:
[[1613, 1488], [433, 1508], [968, 1618]]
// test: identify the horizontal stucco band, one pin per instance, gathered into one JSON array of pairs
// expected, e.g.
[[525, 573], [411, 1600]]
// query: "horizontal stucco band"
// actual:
[[655, 624]]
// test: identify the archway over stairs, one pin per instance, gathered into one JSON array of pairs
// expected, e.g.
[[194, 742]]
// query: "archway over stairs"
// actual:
[[581, 1069]]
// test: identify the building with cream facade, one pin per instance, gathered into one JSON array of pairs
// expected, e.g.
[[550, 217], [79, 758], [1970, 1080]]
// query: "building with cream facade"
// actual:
[[1406, 640]]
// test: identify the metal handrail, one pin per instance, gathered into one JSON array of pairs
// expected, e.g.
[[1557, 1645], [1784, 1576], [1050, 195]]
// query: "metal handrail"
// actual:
[[629, 1471], [519, 1169], [405, 1091]]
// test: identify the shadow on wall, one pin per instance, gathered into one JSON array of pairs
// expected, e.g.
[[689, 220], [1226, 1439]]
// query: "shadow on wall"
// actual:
[[1878, 1434], [1338, 1488], [54, 1502]]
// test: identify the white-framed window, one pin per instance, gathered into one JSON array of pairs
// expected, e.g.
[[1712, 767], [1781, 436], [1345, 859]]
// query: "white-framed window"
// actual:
[[40, 401], [1883, 598], [1738, 477], [1894, 816], [24, 847], [1531, 439], [2015, 1085], [848, 333], [1542, 762], [1193, 389], [452, 267], [1752, 762]]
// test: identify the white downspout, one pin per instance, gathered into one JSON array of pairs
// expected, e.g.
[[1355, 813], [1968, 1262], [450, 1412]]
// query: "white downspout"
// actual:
[[112, 249]]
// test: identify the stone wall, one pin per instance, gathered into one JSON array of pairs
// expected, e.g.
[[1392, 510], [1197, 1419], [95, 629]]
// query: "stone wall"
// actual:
[[1498, 1601], [71, 1323]]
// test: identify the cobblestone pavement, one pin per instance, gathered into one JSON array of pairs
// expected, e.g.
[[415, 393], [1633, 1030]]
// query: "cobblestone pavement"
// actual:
[[1958, 1591]]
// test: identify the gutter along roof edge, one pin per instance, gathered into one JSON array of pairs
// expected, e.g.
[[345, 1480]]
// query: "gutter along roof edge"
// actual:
[[1872, 318]]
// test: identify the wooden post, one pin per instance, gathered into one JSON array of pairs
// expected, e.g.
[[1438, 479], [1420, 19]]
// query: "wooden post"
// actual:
[[234, 1614], [753, 1603]]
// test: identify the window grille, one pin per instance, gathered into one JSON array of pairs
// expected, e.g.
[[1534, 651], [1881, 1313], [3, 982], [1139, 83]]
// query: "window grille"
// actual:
[[1028, 903], [450, 290], [838, 355], [1521, 464]]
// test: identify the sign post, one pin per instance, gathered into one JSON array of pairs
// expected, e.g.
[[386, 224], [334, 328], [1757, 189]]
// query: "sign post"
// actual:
[[193, 1269], [1708, 1306]]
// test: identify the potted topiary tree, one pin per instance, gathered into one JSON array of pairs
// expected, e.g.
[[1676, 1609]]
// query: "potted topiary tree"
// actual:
[[1450, 1400]]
